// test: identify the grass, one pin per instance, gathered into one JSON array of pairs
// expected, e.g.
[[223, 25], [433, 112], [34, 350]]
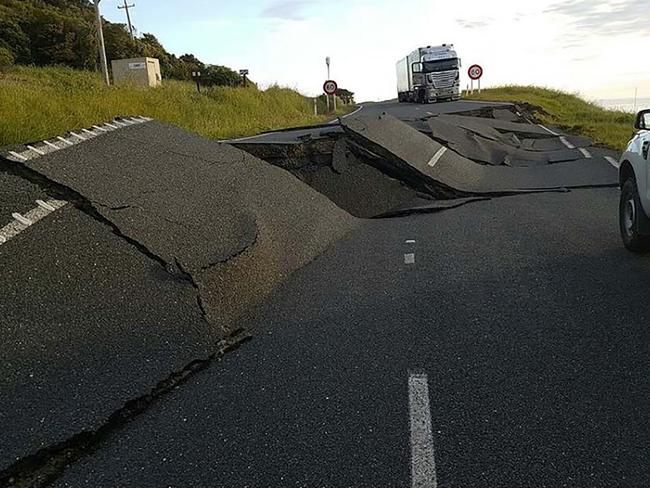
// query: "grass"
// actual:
[[39, 103], [610, 128]]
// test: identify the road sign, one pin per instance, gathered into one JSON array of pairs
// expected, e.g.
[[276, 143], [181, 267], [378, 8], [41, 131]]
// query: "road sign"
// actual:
[[243, 72], [475, 72], [330, 87]]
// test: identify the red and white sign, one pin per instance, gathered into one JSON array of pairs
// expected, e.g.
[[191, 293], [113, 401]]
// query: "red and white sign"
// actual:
[[475, 72], [330, 87]]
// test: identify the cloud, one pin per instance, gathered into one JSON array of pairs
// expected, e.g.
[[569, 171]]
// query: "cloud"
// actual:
[[287, 9], [602, 17], [474, 24]]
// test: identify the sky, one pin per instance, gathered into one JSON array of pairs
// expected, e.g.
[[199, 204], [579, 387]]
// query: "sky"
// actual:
[[597, 48]]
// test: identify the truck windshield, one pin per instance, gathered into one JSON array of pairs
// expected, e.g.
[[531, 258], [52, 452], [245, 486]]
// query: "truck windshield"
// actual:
[[441, 65]]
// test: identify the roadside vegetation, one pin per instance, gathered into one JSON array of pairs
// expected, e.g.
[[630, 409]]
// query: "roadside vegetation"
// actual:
[[39, 103], [611, 128]]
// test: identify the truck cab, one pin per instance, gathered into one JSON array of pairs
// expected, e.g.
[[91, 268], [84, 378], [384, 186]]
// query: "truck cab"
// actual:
[[429, 74], [634, 177]]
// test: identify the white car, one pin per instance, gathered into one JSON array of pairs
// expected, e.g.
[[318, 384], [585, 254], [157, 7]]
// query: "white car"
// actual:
[[634, 176]]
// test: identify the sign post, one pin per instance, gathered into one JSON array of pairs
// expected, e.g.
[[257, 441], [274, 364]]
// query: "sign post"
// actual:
[[330, 87], [327, 62], [475, 72], [244, 73]]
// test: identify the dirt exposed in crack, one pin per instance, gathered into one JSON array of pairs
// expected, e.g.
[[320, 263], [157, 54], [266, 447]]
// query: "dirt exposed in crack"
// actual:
[[43, 467]]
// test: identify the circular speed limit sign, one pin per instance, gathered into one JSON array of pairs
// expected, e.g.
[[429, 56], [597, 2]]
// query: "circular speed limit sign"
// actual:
[[475, 72], [330, 87]]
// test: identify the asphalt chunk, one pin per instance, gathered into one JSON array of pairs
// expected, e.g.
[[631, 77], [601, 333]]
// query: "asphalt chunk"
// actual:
[[418, 157], [233, 224]]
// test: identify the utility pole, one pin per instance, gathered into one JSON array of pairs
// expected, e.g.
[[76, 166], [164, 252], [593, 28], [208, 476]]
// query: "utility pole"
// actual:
[[128, 16], [100, 41]]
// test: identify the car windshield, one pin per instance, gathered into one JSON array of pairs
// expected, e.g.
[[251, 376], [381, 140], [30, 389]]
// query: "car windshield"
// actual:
[[441, 65]]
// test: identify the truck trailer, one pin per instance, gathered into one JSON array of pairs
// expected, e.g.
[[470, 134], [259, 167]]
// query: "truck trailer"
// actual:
[[429, 74]]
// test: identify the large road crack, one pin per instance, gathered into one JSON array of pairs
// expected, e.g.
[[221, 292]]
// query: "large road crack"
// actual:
[[43, 467]]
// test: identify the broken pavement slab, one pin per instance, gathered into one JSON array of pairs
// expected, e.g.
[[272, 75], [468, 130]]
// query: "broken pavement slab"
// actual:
[[488, 151], [414, 155], [236, 225]]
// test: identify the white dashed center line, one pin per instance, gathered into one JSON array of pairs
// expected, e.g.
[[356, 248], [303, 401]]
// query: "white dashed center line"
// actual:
[[409, 258], [410, 241], [423, 464], [436, 157]]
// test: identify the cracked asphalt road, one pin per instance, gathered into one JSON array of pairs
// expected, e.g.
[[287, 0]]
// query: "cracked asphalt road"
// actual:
[[532, 330], [525, 312]]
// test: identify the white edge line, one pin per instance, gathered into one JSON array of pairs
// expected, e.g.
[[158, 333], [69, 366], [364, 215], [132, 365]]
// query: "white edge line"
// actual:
[[21, 223], [436, 157], [37, 151], [53, 146], [99, 128], [18, 156], [65, 140], [45, 205], [89, 132], [585, 153], [423, 463], [548, 130], [566, 142], [21, 219], [612, 161], [78, 136], [111, 125]]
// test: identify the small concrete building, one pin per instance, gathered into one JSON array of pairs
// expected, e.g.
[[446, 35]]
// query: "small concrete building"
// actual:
[[137, 71]]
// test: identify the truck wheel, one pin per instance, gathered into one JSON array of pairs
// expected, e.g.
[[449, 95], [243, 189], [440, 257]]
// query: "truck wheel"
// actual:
[[629, 214]]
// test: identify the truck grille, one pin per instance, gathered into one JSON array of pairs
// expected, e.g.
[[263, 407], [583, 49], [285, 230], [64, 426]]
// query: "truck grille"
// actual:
[[445, 79]]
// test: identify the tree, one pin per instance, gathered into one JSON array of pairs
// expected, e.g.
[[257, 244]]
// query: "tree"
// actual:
[[6, 58], [214, 75], [346, 95]]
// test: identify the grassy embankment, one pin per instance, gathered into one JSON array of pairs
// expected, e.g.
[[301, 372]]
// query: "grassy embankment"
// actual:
[[568, 112], [39, 103]]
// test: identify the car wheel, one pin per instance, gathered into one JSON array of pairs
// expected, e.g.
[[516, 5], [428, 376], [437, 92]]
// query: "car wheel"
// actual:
[[628, 215]]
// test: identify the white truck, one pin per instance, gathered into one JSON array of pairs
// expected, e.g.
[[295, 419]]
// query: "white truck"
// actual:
[[429, 74], [634, 177]]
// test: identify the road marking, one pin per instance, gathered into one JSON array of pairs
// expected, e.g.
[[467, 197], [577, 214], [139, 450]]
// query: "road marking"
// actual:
[[335, 120], [21, 219], [567, 143], [423, 463], [89, 132], [65, 140], [78, 136], [110, 125], [37, 151], [20, 157], [22, 222], [410, 241], [548, 130], [53, 146], [99, 128], [409, 258], [612, 161], [436, 157], [585, 153], [45, 205]]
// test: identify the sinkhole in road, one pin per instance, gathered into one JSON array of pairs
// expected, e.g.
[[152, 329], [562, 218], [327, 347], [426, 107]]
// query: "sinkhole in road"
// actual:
[[356, 179]]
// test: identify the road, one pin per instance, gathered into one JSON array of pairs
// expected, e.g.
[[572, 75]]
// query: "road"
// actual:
[[501, 343]]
